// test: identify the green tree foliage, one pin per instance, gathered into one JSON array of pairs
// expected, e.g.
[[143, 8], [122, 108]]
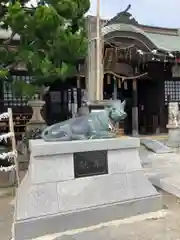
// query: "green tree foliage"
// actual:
[[52, 37], [7, 57]]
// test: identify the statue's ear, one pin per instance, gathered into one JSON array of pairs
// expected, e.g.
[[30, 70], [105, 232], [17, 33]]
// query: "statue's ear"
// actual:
[[123, 103], [108, 109]]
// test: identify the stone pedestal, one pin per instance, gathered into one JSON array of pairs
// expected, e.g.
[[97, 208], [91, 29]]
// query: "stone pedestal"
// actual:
[[33, 129], [77, 184], [36, 121], [173, 125], [36, 124], [173, 136]]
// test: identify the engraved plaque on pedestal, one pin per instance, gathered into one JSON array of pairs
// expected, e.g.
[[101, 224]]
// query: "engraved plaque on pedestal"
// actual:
[[90, 163]]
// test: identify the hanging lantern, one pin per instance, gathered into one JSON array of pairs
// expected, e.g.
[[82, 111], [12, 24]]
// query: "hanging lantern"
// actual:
[[78, 79], [143, 66], [114, 79], [108, 79], [134, 84], [165, 61], [119, 83], [130, 54], [125, 85], [115, 88], [78, 82]]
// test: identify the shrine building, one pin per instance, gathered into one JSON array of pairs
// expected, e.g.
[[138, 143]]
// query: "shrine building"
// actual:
[[141, 66]]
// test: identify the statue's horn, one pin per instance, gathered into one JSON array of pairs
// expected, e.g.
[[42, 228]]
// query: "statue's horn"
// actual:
[[123, 103]]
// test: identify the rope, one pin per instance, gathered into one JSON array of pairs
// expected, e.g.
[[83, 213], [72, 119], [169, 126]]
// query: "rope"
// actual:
[[126, 78]]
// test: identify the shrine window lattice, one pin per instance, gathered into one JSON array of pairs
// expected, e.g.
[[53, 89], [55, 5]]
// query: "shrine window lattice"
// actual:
[[9, 97], [172, 91]]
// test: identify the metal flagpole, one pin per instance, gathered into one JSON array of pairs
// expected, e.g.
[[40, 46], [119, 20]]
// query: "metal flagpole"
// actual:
[[98, 54]]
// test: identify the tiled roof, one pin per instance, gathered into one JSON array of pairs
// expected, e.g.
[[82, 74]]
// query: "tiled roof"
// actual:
[[161, 38], [168, 42], [121, 27]]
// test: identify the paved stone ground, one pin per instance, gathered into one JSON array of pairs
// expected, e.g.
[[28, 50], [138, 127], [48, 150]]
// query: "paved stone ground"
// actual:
[[6, 215], [162, 169]]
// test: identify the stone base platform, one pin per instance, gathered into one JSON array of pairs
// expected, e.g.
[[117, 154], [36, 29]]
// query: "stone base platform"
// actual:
[[173, 137], [45, 205], [60, 206]]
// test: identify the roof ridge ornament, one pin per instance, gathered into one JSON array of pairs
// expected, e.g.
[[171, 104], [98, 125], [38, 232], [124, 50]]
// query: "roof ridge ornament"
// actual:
[[123, 17], [127, 9]]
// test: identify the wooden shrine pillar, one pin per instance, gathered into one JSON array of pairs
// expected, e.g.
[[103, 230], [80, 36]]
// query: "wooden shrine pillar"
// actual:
[[115, 88], [135, 124], [161, 103], [78, 81]]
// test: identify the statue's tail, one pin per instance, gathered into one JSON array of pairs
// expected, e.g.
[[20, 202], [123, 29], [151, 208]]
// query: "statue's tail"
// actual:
[[62, 134], [45, 133]]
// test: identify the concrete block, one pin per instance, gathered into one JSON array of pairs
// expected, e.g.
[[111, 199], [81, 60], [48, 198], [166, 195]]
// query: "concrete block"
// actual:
[[139, 186], [47, 169], [100, 190], [36, 200], [173, 137], [123, 160], [41, 148]]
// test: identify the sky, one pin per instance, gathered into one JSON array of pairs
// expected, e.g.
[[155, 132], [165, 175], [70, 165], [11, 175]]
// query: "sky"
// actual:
[[162, 13]]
